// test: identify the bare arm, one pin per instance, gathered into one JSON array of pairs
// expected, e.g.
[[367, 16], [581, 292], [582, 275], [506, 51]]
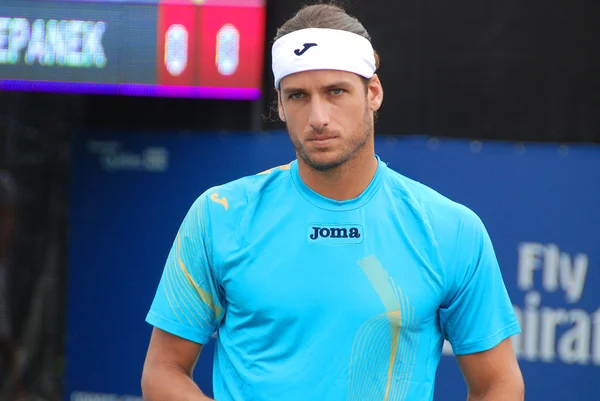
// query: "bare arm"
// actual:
[[493, 375], [167, 374]]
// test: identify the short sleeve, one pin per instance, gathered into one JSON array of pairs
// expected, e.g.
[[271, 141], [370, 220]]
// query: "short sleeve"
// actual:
[[188, 301], [477, 314]]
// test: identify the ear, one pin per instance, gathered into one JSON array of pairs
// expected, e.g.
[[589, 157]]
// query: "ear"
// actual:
[[375, 94], [280, 106]]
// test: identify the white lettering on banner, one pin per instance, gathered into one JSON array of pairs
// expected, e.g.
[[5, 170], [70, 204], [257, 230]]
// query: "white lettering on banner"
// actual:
[[65, 43], [558, 269], [114, 158], [540, 341]]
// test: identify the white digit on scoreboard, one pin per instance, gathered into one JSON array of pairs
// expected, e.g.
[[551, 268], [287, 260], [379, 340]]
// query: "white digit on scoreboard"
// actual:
[[228, 49], [176, 49]]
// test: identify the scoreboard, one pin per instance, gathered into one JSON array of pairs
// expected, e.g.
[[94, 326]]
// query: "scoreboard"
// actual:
[[176, 48]]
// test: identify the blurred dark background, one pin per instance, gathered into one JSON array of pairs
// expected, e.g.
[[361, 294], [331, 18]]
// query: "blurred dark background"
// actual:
[[507, 70], [501, 70]]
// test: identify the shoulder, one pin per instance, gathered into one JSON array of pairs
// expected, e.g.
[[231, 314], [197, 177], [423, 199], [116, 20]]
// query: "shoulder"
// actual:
[[449, 220], [230, 201]]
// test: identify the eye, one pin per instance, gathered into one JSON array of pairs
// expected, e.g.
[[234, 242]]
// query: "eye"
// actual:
[[337, 91], [296, 96]]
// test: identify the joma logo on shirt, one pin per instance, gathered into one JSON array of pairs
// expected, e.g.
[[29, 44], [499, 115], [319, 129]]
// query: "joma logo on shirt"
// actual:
[[335, 234]]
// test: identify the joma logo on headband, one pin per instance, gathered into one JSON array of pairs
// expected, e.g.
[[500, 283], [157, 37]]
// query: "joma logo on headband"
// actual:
[[299, 52]]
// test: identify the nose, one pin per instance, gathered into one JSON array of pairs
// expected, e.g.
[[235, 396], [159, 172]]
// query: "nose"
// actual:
[[319, 115]]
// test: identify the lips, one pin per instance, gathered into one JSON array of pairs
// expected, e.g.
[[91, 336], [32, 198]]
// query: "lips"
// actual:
[[323, 142], [322, 138]]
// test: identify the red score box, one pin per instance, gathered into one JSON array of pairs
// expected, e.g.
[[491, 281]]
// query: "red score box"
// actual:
[[176, 45], [230, 46]]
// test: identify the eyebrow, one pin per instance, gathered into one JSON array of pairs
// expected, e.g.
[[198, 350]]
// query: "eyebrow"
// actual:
[[338, 84]]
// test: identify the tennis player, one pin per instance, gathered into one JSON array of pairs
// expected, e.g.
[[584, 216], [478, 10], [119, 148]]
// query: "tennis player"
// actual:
[[333, 277]]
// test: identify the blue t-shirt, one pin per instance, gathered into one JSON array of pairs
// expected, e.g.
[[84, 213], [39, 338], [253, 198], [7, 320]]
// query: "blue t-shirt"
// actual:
[[316, 299]]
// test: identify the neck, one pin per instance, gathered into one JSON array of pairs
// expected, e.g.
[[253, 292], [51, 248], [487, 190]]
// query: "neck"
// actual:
[[345, 182]]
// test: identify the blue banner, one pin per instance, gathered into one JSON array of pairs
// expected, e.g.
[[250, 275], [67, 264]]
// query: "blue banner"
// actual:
[[539, 203]]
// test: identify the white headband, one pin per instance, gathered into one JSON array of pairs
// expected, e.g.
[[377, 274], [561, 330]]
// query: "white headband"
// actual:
[[322, 49]]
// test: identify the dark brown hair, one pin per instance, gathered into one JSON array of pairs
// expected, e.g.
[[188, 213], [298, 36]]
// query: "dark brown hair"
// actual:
[[329, 16]]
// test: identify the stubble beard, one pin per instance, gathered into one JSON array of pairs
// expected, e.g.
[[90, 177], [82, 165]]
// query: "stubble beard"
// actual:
[[349, 152]]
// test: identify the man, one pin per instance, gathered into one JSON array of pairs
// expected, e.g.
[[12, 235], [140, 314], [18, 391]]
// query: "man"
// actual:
[[333, 277]]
